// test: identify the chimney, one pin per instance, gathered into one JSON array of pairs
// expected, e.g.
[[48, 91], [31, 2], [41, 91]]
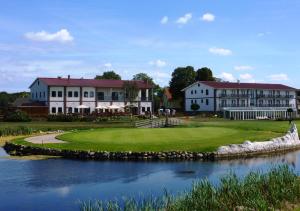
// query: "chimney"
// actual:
[[69, 77], [59, 77], [238, 81]]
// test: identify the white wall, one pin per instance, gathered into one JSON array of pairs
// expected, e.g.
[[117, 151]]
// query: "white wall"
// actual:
[[197, 94], [39, 91]]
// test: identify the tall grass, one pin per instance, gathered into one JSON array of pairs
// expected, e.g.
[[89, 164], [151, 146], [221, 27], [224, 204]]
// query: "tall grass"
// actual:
[[256, 191], [15, 131]]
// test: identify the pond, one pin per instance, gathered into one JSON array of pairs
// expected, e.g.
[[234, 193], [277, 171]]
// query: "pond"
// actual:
[[59, 184]]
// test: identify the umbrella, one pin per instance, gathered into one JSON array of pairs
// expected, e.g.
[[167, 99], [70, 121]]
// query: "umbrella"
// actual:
[[101, 107], [82, 106], [114, 107]]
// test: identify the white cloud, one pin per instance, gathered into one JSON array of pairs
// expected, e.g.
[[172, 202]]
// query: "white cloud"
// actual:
[[208, 17], [61, 36], [184, 19], [243, 67], [158, 63], [261, 34], [227, 76], [164, 20], [161, 75], [278, 77], [220, 51], [108, 65], [246, 76]]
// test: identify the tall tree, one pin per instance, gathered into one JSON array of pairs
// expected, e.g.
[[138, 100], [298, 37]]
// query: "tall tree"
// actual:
[[131, 92], [204, 74], [181, 78], [109, 75], [157, 90]]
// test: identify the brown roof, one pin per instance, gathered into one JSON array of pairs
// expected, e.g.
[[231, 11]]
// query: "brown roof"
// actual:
[[229, 85], [90, 83], [168, 94]]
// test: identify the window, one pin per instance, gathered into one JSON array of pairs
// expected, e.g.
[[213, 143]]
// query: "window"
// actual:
[[207, 93], [40, 94], [59, 94], [36, 95], [44, 94], [70, 110], [192, 101], [59, 110], [201, 100], [76, 94], [85, 94], [287, 102], [207, 101], [100, 95], [32, 95], [92, 94], [75, 110], [70, 94], [201, 91], [195, 101], [53, 110], [38, 83], [192, 92], [114, 95], [195, 91], [233, 102], [143, 109], [148, 109]]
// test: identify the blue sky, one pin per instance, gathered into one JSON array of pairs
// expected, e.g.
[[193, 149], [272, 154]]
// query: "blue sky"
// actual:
[[253, 41]]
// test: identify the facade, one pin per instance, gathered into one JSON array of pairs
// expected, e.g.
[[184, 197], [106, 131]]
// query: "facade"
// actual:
[[241, 100], [67, 95]]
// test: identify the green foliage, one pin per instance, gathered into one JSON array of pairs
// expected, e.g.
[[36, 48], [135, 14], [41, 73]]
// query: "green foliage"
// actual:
[[195, 107], [109, 75], [181, 78], [6, 98], [143, 77], [16, 116], [257, 191], [204, 74], [15, 131], [131, 90]]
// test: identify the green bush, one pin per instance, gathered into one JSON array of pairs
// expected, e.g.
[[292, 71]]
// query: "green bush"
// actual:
[[14, 131], [257, 191], [195, 107], [16, 116]]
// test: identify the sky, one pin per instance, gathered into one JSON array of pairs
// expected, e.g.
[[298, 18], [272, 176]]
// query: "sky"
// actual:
[[250, 40]]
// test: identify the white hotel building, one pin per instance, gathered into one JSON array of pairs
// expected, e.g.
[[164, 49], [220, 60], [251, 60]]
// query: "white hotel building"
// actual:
[[66, 95], [241, 100]]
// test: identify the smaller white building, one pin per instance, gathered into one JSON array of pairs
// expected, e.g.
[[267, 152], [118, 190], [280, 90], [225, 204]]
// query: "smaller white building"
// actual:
[[241, 100]]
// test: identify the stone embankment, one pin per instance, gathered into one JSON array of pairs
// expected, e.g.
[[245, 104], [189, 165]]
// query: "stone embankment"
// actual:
[[288, 142]]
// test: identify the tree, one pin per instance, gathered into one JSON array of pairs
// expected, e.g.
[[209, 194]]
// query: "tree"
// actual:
[[204, 74], [157, 90], [108, 75], [290, 112], [131, 91], [181, 78], [195, 107]]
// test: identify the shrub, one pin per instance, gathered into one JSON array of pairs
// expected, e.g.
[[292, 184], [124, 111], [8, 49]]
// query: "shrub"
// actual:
[[16, 116], [195, 107]]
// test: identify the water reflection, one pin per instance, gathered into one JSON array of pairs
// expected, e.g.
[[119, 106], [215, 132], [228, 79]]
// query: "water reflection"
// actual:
[[59, 184]]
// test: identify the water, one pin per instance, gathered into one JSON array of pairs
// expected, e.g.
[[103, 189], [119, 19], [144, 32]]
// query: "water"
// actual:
[[59, 184]]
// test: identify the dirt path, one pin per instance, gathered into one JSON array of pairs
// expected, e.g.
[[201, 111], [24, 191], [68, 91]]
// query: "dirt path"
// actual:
[[45, 139]]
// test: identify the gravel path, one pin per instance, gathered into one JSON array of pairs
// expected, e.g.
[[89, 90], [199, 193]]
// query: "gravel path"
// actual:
[[45, 139]]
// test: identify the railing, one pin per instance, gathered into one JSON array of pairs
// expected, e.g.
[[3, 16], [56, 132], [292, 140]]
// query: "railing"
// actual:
[[121, 98], [274, 96], [157, 123], [259, 105], [235, 95]]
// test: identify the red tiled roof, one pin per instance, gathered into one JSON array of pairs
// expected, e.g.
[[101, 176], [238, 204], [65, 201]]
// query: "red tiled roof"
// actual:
[[90, 83], [168, 94], [229, 85]]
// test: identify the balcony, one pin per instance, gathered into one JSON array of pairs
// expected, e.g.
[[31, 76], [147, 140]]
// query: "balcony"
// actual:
[[275, 96], [259, 105], [234, 95], [120, 98]]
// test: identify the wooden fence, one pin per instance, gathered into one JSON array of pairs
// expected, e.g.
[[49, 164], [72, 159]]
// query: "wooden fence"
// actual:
[[157, 123]]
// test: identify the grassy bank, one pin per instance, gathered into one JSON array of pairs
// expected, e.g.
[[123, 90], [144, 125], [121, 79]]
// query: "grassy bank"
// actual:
[[195, 135], [257, 191]]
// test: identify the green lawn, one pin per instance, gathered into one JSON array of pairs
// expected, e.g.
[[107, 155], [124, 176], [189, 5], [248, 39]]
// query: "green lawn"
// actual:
[[195, 135]]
